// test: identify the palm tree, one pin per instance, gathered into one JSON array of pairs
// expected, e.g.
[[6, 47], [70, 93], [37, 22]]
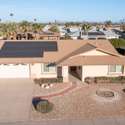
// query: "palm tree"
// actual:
[[67, 25], [5, 30], [35, 19], [11, 15], [122, 24], [8, 30], [25, 27], [108, 23], [37, 28], [86, 28], [54, 29]]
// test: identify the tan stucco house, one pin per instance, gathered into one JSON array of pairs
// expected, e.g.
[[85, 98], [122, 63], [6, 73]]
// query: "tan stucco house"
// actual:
[[51, 59]]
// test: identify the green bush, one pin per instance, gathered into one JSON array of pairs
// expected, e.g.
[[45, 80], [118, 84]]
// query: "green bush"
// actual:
[[117, 43], [44, 106], [120, 79], [48, 80]]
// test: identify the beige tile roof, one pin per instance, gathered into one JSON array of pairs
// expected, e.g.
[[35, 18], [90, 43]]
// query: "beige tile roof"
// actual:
[[66, 48], [93, 60]]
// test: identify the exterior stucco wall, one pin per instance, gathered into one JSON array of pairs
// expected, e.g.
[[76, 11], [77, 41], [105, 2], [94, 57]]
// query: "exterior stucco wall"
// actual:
[[36, 72], [93, 53], [98, 70], [124, 70], [94, 70], [65, 73]]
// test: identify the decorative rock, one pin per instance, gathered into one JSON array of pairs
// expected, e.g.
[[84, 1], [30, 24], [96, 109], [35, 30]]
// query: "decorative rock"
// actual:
[[105, 93]]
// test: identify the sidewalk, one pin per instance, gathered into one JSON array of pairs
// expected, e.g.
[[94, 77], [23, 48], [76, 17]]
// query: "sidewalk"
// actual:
[[105, 121]]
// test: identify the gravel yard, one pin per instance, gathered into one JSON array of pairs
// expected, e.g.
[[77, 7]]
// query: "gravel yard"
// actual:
[[80, 104]]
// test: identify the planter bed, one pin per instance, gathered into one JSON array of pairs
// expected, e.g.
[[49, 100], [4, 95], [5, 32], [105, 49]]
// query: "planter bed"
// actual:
[[97, 80], [48, 80]]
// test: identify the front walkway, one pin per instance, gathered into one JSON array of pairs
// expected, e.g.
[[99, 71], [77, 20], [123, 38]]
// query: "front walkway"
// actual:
[[60, 93], [74, 79]]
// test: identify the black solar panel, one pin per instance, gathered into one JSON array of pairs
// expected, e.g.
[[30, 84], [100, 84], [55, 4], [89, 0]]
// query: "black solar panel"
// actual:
[[96, 33], [27, 49]]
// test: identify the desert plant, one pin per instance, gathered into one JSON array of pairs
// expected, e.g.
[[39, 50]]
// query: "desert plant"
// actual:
[[42, 105], [48, 80], [54, 29]]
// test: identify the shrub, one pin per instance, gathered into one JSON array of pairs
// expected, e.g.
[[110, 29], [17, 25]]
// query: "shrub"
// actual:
[[117, 43], [48, 80], [89, 80], [120, 79], [42, 105]]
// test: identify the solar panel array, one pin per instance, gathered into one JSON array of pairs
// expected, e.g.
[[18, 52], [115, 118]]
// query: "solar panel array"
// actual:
[[26, 49]]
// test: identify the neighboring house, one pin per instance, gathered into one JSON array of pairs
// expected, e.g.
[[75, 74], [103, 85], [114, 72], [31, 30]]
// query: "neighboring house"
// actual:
[[52, 59], [39, 36], [110, 34], [62, 31], [48, 36], [74, 35], [119, 32], [92, 35]]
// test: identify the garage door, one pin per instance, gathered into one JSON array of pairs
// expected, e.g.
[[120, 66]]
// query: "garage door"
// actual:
[[14, 71]]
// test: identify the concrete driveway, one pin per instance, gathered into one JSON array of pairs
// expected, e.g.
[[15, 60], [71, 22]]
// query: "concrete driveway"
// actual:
[[15, 99]]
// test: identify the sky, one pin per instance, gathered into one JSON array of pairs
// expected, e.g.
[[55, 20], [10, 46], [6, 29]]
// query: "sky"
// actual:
[[62, 10]]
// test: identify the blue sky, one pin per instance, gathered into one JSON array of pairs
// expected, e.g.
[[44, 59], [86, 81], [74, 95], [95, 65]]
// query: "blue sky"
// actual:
[[63, 10]]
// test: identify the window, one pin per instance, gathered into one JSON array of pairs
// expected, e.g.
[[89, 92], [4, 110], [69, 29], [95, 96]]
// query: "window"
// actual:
[[46, 68], [115, 69]]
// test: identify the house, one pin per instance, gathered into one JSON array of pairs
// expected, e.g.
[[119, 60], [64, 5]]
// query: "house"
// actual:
[[92, 35], [39, 36], [52, 59], [110, 34], [47, 36]]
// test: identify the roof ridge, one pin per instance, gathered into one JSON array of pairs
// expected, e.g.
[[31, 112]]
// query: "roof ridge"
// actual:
[[77, 51]]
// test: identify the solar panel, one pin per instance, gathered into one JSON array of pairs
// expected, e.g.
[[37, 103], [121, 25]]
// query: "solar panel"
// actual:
[[26, 49]]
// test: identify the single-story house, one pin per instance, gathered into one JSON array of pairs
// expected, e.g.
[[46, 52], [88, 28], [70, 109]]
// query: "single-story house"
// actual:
[[40, 36], [52, 59], [92, 35]]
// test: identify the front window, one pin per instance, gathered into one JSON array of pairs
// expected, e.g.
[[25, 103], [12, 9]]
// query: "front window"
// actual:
[[48, 68], [115, 69]]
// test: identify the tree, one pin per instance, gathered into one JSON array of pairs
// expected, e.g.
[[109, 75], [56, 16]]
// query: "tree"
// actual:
[[117, 43], [37, 28], [122, 27], [24, 26], [122, 24], [8, 30], [108, 23], [67, 37], [11, 14], [54, 29], [35, 19], [86, 28]]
